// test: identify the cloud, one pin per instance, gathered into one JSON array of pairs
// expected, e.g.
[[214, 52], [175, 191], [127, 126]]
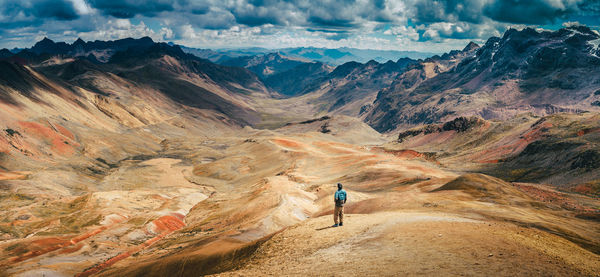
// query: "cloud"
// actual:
[[403, 32], [425, 11], [459, 30], [131, 8], [61, 10], [570, 23], [531, 11], [81, 7], [123, 28], [34, 12], [392, 23]]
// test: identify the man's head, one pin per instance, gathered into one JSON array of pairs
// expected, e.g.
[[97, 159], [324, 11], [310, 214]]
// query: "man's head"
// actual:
[[339, 185]]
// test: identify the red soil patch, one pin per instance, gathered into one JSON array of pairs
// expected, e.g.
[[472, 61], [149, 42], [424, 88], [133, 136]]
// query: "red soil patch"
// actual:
[[588, 189], [587, 131], [62, 144], [549, 195], [39, 247], [65, 132], [68, 250], [512, 148], [407, 154], [46, 245], [490, 162], [333, 147], [168, 223], [287, 143], [165, 225]]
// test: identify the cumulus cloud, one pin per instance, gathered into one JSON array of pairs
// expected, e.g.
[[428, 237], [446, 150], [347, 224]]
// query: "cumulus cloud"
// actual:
[[131, 8], [122, 28], [459, 30], [403, 31], [399, 23], [34, 12], [531, 11]]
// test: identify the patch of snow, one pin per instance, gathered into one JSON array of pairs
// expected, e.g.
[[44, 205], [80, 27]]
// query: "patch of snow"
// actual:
[[574, 32], [495, 47], [595, 47]]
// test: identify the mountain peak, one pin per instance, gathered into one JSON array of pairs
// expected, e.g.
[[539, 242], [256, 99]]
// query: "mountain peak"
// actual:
[[79, 41], [470, 46], [5, 53], [581, 29], [372, 63], [146, 39], [44, 41]]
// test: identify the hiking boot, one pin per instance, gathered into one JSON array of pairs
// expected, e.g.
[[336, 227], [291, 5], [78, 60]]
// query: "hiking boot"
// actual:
[[341, 223], [335, 225]]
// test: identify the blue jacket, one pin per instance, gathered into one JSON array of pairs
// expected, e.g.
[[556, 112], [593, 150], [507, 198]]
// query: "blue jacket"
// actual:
[[340, 197]]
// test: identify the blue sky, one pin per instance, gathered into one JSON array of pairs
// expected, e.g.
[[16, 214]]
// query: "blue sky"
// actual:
[[416, 25]]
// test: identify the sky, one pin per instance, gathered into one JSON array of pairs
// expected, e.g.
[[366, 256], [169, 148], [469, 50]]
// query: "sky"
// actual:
[[409, 25]]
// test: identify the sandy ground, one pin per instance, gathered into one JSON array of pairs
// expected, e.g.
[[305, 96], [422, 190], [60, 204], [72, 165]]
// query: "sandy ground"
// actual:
[[416, 243]]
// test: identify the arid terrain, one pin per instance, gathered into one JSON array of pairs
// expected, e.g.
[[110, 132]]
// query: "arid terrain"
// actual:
[[209, 205], [154, 162]]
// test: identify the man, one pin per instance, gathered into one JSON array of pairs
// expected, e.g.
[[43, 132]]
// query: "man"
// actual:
[[339, 198]]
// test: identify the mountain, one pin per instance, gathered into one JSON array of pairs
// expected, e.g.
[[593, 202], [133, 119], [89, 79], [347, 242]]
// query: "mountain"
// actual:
[[351, 87], [96, 50], [559, 149], [334, 57], [264, 65], [294, 82], [342, 55], [5, 53], [134, 65], [524, 71], [211, 55]]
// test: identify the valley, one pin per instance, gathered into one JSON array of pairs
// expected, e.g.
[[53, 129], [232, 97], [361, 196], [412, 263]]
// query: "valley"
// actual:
[[136, 158]]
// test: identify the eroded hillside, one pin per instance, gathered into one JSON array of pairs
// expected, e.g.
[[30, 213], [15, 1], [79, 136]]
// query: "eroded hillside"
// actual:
[[154, 162]]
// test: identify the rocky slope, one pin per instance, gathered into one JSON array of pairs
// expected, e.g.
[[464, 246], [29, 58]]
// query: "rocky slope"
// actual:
[[524, 71], [294, 82], [559, 149], [143, 65], [351, 88]]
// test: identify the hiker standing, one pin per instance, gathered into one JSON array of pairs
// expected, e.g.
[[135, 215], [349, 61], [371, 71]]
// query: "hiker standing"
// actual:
[[339, 198]]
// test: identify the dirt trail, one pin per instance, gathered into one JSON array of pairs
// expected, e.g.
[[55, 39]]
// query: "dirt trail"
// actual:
[[415, 243]]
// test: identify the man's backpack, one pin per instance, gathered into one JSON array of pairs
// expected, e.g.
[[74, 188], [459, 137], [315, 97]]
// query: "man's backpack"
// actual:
[[341, 197]]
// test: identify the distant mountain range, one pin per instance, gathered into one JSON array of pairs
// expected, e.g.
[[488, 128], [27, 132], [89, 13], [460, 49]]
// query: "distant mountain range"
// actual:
[[523, 71], [329, 56], [264, 65]]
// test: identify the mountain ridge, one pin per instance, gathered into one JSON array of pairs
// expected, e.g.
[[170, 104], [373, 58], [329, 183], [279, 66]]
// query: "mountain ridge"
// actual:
[[515, 73]]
